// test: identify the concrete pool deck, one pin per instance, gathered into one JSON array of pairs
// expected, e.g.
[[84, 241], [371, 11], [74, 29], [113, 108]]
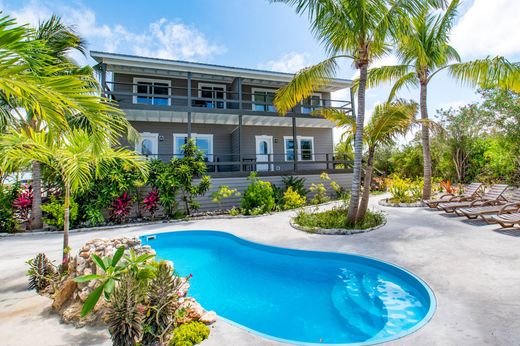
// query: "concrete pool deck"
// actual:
[[473, 269]]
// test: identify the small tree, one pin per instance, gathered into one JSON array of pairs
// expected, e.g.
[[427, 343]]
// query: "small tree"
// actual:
[[77, 156], [188, 168]]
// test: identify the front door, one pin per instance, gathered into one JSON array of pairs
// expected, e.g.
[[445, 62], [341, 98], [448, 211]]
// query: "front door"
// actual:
[[264, 151]]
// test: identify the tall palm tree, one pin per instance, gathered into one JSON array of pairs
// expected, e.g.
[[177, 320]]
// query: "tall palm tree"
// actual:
[[76, 156], [423, 49], [59, 41], [42, 89], [355, 29]]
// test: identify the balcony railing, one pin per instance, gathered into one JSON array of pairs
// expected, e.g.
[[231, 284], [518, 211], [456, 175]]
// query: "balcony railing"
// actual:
[[168, 97], [269, 164]]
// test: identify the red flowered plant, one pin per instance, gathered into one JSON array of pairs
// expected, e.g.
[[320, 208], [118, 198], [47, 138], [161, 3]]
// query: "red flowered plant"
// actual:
[[151, 202], [120, 208], [23, 204]]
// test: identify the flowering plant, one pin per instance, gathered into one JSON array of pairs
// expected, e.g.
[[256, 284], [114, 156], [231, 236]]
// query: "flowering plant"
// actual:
[[23, 204], [151, 202], [120, 208]]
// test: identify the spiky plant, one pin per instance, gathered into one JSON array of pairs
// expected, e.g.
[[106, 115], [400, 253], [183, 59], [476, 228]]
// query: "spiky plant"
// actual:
[[41, 272], [125, 313], [163, 302]]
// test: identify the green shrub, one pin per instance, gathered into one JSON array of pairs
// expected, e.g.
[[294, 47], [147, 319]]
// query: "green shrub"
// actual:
[[292, 199], [258, 197], [55, 210], [189, 334], [405, 190], [297, 184], [7, 213], [222, 193], [320, 193], [93, 215], [337, 218]]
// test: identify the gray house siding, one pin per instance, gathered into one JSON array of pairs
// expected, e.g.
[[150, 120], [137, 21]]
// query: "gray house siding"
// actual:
[[225, 141]]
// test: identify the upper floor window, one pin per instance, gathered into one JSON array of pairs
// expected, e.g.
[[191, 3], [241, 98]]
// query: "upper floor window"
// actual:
[[152, 91], [263, 100], [210, 95], [311, 103]]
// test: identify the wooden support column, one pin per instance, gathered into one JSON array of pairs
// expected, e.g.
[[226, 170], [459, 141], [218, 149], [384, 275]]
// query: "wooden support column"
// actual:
[[240, 142], [188, 130], [103, 70], [295, 143]]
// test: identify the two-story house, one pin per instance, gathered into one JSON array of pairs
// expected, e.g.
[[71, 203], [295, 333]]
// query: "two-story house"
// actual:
[[229, 112]]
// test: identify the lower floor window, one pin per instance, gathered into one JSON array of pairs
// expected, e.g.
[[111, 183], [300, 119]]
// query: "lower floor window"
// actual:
[[305, 148], [203, 142]]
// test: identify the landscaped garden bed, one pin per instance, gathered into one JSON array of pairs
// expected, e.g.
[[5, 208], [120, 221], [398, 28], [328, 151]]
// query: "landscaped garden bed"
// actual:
[[119, 283], [334, 221]]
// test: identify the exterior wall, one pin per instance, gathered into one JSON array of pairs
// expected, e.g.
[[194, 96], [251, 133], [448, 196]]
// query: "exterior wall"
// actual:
[[221, 135], [241, 183], [225, 140]]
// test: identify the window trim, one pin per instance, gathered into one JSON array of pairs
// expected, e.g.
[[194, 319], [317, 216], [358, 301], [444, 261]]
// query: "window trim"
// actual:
[[151, 80], [147, 135], [199, 88], [299, 140], [320, 95], [194, 135], [253, 90]]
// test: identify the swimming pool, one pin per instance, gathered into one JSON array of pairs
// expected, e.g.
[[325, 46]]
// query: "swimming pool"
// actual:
[[303, 297]]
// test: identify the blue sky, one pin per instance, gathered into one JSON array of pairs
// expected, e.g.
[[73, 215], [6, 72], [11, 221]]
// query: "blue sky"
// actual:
[[257, 34]]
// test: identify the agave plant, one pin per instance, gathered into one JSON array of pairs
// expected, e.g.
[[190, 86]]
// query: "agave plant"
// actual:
[[163, 302], [41, 272], [125, 313]]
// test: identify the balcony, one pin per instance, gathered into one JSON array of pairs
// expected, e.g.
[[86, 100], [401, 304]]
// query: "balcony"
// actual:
[[162, 96]]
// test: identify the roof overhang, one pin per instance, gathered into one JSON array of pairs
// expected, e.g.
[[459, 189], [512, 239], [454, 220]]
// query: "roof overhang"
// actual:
[[114, 60]]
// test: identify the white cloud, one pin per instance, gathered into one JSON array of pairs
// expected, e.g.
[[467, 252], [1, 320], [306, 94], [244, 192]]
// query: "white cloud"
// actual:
[[161, 39], [291, 62], [488, 28]]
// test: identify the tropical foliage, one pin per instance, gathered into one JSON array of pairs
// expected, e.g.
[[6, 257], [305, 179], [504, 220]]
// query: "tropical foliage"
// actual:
[[423, 49], [358, 30]]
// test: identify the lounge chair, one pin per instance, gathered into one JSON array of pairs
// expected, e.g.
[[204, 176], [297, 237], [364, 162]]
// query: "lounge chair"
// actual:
[[492, 196], [510, 206], [505, 220], [470, 193]]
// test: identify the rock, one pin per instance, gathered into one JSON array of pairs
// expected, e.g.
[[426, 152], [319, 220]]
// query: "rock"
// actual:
[[83, 294], [208, 318], [64, 293], [84, 254], [193, 310]]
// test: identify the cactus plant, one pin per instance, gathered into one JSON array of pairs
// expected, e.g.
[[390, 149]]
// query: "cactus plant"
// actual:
[[41, 272]]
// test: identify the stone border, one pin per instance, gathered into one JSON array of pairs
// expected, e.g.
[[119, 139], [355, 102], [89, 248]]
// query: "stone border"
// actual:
[[333, 231], [386, 203]]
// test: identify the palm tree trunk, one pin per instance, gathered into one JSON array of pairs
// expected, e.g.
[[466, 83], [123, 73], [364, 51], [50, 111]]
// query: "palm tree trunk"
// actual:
[[425, 138], [36, 207], [363, 205], [358, 146], [66, 250]]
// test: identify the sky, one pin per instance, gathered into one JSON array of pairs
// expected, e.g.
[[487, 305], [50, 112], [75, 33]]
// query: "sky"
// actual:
[[259, 34]]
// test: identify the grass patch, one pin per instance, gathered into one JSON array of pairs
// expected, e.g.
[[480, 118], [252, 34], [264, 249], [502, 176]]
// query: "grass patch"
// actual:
[[337, 218]]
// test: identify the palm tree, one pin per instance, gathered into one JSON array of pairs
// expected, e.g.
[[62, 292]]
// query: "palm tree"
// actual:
[[37, 76], [423, 49], [75, 156], [59, 40], [356, 30], [388, 121]]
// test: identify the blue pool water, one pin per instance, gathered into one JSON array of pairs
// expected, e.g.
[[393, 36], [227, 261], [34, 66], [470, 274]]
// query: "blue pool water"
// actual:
[[303, 297]]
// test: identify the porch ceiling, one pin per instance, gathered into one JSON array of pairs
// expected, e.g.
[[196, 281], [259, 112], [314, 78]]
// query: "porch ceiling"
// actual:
[[222, 119]]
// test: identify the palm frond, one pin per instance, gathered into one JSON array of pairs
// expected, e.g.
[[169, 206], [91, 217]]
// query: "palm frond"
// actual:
[[489, 72], [304, 83]]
